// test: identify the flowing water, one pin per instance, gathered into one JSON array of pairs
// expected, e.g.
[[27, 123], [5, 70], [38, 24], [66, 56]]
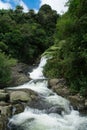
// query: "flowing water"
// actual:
[[44, 119]]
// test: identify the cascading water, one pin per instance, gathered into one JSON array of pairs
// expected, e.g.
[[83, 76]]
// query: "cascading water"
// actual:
[[35, 119]]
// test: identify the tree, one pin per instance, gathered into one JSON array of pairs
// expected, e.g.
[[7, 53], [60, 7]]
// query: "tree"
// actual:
[[4, 70], [71, 57]]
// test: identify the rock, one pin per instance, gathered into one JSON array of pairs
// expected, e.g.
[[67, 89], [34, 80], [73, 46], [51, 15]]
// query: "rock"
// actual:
[[17, 108], [54, 82], [77, 101], [2, 91], [2, 103], [1, 124], [4, 96], [19, 74], [17, 96], [86, 103], [6, 110], [62, 91], [59, 86], [56, 109], [22, 95], [18, 100]]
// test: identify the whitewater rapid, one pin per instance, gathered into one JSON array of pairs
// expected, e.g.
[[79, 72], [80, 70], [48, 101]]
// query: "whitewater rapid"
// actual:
[[35, 119]]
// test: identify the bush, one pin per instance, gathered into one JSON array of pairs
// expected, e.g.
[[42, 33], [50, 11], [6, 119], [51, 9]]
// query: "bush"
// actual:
[[5, 73]]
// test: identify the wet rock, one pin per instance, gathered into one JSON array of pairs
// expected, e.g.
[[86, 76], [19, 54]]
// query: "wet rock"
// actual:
[[56, 109], [4, 96], [2, 103], [17, 96], [58, 82], [77, 101], [13, 126], [6, 111], [17, 108], [2, 124], [18, 100], [59, 86], [2, 91], [62, 91], [22, 95], [86, 103], [19, 74]]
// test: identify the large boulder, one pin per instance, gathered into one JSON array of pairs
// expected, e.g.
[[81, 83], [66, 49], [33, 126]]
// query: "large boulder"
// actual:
[[56, 82], [19, 74], [17, 96], [15, 104], [59, 86], [77, 101], [22, 95]]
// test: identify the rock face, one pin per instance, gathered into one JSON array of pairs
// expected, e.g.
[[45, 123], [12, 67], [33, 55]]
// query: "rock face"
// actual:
[[59, 86], [19, 74]]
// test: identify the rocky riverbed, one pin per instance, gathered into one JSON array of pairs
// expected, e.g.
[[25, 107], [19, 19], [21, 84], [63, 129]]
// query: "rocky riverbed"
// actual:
[[13, 102], [77, 101]]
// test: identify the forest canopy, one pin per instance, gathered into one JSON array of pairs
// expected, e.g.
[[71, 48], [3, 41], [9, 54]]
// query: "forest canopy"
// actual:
[[24, 36]]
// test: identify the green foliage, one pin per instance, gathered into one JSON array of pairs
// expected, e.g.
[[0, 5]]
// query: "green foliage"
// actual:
[[47, 18], [70, 59], [4, 70], [23, 36], [65, 26], [3, 46]]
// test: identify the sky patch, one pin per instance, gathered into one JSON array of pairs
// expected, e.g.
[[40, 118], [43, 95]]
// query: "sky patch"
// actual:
[[57, 5]]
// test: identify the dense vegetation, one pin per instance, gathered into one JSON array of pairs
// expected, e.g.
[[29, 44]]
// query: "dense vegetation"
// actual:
[[24, 36], [70, 53]]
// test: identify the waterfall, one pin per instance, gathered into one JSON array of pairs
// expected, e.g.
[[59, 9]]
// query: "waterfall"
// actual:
[[35, 119]]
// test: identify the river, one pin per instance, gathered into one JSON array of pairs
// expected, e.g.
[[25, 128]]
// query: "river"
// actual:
[[58, 115]]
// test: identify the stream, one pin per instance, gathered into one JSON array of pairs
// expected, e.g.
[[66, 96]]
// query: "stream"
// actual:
[[58, 115]]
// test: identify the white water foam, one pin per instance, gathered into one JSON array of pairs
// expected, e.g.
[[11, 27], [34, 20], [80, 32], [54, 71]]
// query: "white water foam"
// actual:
[[38, 72], [34, 119]]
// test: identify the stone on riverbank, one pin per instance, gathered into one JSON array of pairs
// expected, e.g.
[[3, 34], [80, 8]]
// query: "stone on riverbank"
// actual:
[[17, 96], [59, 86], [18, 100], [19, 74]]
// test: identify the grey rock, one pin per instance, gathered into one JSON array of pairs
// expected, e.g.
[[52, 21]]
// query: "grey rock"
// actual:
[[4, 96], [16, 96], [56, 109], [54, 82], [19, 74], [86, 103], [6, 110]]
